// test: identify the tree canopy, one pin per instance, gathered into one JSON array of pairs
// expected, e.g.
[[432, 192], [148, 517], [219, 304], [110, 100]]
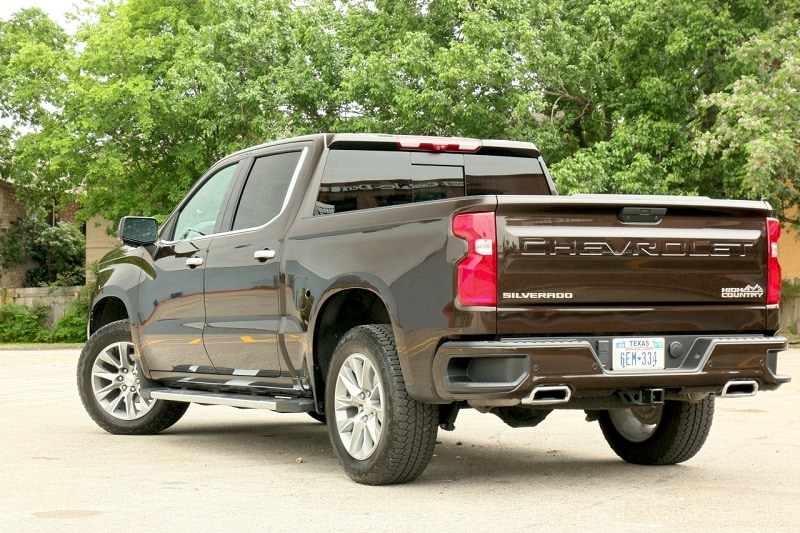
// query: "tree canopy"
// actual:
[[631, 96]]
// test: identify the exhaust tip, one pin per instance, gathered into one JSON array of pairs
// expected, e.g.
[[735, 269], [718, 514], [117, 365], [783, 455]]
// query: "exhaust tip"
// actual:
[[548, 395], [739, 388]]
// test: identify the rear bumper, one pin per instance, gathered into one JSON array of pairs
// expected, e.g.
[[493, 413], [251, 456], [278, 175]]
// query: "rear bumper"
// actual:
[[511, 371]]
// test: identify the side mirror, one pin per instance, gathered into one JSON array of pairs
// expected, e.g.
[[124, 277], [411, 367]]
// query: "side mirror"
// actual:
[[138, 230]]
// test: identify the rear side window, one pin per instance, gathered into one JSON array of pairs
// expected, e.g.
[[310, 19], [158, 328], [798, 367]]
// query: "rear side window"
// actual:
[[265, 191], [362, 179]]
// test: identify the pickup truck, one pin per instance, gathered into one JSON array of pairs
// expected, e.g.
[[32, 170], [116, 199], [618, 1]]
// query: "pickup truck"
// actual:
[[383, 283]]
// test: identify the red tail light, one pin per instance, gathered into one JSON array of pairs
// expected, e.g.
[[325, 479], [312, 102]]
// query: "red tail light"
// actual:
[[477, 272], [773, 266]]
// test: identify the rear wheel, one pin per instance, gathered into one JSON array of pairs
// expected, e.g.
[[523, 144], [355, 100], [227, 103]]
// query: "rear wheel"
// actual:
[[660, 434], [381, 436], [109, 383]]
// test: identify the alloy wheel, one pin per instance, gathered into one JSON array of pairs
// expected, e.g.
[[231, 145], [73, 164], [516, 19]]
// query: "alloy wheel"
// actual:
[[359, 406], [116, 384]]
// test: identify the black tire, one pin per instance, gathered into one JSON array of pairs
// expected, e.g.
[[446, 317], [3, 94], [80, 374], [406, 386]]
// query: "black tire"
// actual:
[[319, 417], [108, 383], [399, 433], [658, 435]]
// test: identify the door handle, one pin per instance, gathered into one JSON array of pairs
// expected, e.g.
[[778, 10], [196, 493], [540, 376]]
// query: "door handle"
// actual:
[[264, 255], [193, 262]]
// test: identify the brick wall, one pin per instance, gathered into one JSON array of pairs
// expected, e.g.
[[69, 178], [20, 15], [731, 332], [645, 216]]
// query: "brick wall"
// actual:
[[10, 210]]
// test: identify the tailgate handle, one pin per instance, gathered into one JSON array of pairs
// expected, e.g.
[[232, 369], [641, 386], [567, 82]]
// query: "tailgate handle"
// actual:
[[642, 215]]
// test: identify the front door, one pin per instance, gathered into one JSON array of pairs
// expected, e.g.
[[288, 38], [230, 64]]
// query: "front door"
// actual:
[[171, 303]]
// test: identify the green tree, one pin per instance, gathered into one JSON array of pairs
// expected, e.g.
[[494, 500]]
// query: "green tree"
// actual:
[[628, 96], [159, 90], [625, 87], [447, 67], [751, 131], [34, 147]]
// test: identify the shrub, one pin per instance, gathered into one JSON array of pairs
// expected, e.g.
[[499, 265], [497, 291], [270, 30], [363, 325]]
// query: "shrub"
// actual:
[[72, 326], [58, 251], [790, 288], [20, 323]]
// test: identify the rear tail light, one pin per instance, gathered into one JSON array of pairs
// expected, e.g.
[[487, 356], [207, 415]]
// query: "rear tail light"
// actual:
[[773, 266], [477, 272], [439, 144]]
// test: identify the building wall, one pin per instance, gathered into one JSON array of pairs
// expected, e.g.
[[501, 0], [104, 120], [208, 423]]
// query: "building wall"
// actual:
[[98, 240], [57, 300], [789, 254], [10, 210]]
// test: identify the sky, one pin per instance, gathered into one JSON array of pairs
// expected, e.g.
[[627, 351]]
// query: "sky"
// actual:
[[54, 8]]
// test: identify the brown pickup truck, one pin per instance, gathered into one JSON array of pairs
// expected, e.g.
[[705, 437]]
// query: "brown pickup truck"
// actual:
[[383, 283]]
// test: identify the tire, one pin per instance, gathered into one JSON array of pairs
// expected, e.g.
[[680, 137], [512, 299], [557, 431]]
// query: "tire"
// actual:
[[319, 417], [667, 434], [109, 386], [380, 434]]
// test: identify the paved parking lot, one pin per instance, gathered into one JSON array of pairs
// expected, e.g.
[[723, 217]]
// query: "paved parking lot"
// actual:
[[224, 469]]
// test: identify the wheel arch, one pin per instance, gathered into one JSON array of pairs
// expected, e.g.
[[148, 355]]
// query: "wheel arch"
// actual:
[[107, 310], [339, 313]]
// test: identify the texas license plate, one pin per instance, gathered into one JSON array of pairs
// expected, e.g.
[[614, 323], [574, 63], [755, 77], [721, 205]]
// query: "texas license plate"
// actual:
[[637, 354]]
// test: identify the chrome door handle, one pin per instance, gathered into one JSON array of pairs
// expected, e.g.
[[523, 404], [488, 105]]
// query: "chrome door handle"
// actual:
[[193, 262], [264, 255]]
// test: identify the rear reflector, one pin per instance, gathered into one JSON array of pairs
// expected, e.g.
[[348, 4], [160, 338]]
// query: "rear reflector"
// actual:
[[477, 272], [773, 266], [439, 144]]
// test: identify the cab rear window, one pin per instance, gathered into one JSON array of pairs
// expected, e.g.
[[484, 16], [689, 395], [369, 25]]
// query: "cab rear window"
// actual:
[[363, 179]]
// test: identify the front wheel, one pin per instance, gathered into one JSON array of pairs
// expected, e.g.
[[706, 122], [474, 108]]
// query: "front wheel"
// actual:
[[380, 434], [109, 384], [660, 434]]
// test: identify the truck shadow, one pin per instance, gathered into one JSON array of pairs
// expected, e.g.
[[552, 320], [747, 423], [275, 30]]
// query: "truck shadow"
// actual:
[[297, 438]]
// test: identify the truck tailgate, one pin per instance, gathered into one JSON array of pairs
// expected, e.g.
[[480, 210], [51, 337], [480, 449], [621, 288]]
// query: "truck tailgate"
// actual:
[[624, 261]]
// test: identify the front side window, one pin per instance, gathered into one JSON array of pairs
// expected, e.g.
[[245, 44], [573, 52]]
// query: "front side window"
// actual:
[[200, 214]]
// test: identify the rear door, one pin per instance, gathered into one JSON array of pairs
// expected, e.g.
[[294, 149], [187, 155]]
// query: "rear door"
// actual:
[[243, 272]]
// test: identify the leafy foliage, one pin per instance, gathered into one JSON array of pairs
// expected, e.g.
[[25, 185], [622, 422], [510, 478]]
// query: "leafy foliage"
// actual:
[[16, 241], [22, 324], [19, 323], [57, 251], [753, 137], [60, 252], [72, 326], [627, 96]]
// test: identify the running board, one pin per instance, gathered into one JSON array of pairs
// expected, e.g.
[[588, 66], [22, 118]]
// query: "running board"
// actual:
[[280, 404]]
